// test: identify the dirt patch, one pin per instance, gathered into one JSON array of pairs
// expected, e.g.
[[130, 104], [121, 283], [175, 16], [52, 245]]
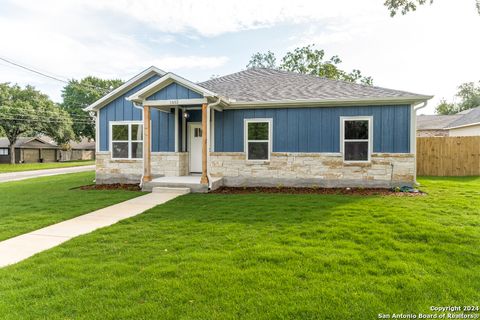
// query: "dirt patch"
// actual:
[[337, 191], [115, 186]]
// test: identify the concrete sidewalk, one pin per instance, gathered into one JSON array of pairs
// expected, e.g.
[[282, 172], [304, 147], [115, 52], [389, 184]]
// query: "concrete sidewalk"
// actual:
[[22, 175], [26, 245]]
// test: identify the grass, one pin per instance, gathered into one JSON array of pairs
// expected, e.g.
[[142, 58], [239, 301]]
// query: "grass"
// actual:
[[34, 203], [6, 167], [263, 256]]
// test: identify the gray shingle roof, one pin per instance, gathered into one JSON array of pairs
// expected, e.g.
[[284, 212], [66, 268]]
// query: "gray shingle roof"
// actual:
[[261, 84], [467, 118], [435, 122], [4, 143], [84, 144]]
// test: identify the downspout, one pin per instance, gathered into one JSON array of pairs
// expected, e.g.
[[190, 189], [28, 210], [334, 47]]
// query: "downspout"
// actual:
[[140, 107], [420, 107], [213, 104], [415, 109]]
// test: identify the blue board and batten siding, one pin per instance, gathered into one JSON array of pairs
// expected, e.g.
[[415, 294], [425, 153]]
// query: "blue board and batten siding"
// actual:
[[294, 129], [174, 91], [315, 129], [120, 109], [163, 124]]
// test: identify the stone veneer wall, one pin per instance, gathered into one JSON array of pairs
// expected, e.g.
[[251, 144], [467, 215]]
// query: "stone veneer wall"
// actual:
[[313, 169], [109, 170]]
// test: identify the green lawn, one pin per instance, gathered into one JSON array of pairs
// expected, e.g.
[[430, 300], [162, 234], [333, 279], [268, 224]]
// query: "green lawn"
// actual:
[[34, 203], [263, 256], [6, 167]]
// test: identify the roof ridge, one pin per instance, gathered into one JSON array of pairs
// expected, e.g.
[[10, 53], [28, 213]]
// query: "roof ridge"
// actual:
[[470, 117], [277, 70]]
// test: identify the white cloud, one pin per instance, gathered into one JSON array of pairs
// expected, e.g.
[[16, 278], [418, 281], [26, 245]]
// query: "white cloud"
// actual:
[[208, 18], [429, 51], [188, 62], [63, 40]]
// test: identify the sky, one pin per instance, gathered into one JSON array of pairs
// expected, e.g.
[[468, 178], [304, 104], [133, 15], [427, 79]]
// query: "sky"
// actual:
[[429, 51]]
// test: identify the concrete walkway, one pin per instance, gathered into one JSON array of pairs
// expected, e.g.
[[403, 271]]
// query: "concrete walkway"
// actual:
[[26, 245], [21, 175]]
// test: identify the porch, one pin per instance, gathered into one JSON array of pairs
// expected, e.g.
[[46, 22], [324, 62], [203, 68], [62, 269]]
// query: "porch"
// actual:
[[193, 182], [188, 111]]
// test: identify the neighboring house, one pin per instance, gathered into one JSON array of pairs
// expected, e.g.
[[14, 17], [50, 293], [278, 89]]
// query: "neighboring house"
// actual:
[[29, 150], [264, 128], [83, 150], [465, 123]]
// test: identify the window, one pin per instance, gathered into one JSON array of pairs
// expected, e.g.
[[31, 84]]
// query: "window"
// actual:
[[197, 133], [356, 138], [3, 151], [127, 140], [258, 137]]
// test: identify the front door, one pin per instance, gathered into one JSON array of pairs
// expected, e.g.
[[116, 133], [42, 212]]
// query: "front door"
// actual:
[[195, 146]]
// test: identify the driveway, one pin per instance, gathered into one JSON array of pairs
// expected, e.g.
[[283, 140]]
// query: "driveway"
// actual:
[[22, 175]]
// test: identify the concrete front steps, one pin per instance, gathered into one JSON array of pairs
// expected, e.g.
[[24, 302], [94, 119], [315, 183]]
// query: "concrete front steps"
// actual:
[[171, 190], [183, 182]]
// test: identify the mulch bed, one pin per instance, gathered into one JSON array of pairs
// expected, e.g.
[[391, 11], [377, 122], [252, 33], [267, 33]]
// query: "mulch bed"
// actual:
[[115, 186], [337, 191]]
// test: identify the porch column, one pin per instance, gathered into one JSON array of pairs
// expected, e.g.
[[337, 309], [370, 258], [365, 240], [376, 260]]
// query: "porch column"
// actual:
[[204, 179], [147, 153]]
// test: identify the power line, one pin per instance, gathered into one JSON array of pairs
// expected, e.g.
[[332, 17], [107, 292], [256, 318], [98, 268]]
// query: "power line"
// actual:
[[43, 120], [17, 114], [19, 117], [32, 70], [47, 116], [50, 76]]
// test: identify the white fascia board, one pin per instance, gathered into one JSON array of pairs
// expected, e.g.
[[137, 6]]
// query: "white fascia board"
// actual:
[[168, 78], [327, 102], [142, 76], [174, 102], [463, 126]]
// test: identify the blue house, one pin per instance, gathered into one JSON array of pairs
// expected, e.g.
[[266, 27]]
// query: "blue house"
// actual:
[[258, 127]]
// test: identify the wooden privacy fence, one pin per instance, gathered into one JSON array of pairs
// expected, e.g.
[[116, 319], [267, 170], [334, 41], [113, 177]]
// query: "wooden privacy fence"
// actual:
[[448, 156]]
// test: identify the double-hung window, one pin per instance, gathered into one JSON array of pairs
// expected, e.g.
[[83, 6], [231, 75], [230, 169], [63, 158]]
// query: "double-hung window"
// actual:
[[258, 139], [127, 140], [356, 144], [3, 151]]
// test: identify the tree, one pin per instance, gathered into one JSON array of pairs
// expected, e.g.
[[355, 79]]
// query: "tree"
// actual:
[[79, 94], [469, 95], [26, 111], [263, 60], [446, 108], [405, 6], [308, 60]]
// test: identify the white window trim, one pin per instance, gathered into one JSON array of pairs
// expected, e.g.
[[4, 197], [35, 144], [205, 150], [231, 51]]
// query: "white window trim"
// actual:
[[4, 149], [269, 141], [129, 141], [370, 137]]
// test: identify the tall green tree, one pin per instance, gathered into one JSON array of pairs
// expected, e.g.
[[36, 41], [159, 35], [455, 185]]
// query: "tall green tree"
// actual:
[[405, 6], [445, 107], [309, 60], [78, 94], [263, 60], [26, 111], [469, 95]]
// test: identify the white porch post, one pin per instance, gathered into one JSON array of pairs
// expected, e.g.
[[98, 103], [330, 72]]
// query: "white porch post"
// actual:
[[176, 129], [147, 171], [184, 131], [204, 178]]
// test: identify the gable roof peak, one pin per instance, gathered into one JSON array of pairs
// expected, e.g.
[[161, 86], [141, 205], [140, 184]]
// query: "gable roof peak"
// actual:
[[129, 84]]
